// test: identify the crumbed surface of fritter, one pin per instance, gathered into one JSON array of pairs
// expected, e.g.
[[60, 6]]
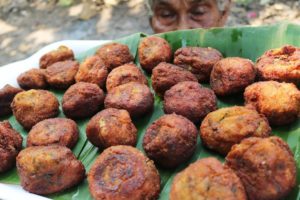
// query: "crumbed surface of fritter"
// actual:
[[61, 54], [7, 94], [33, 79]]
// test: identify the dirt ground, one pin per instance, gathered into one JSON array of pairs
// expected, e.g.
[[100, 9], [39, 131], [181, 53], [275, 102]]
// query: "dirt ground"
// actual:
[[27, 25]]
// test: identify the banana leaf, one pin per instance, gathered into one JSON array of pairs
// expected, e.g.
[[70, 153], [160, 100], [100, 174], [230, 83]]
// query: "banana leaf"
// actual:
[[247, 42]]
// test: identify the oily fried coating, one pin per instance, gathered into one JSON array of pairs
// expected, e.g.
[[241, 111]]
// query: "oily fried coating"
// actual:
[[7, 94], [170, 140], [207, 179], [111, 127], [125, 74], [55, 131], [266, 167], [10, 145], [61, 54], [123, 172], [197, 60], [49, 169], [33, 79], [223, 128], [33, 106], [279, 102]]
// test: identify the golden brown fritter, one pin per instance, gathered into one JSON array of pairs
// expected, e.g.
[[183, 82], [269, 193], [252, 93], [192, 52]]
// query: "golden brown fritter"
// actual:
[[280, 64], [279, 102], [114, 55], [82, 100], [207, 179], [123, 172], [33, 106], [125, 74], [134, 97], [92, 70], [165, 75], [111, 127], [61, 75], [190, 100], [33, 79], [10, 145], [7, 94], [49, 169], [266, 167], [232, 75], [223, 128], [55, 131], [152, 51], [170, 140], [197, 60], [61, 54]]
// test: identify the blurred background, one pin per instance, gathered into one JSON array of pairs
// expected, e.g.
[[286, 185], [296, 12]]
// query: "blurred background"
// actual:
[[28, 25]]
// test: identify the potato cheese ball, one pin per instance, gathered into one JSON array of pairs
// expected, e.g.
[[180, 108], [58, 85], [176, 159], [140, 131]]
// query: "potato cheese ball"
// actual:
[[207, 179], [123, 172], [33, 79], [7, 94]]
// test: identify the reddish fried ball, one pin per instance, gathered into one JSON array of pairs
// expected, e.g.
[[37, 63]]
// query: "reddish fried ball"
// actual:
[[49, 169], [125, 74], [33, 106], [232, 75], [114, 55], [134, 97], [10, 145], [111, 127], [152, 51], [82, 100], [61, 54], [92, 70], [61, 75], [197, 60], [7, 94], [279, 102], [190, 100], [55, 131], [165, 75], [280, 65], [33, 79], [123, 172], [170, 140], [266, 167], [207, 179], [223, 128]]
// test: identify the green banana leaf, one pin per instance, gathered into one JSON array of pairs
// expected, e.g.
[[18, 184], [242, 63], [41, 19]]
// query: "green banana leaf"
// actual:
[[247, 42]]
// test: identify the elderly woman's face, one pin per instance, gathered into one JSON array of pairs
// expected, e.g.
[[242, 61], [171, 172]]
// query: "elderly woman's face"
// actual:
[[170, 15]]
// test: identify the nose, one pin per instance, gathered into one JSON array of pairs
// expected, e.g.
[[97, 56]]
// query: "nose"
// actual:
[[183, 23]]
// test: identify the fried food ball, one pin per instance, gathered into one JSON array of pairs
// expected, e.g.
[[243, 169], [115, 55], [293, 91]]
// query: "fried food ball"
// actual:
[[7, 94], [114, 55], [190, 100], [92, 70], [134, 97], [10, 145], [125, 74], [55, 131], [223, 128], [111, 127], [49, 169], [123, 172], [33, 79], [232, 75], [266, 167], [170, 140], [82, 100], [61, 75], [280, 64], [165, 75], [207, 179], [61, 54], [197, 60], [279, 102], [33, 106], [152, 51]]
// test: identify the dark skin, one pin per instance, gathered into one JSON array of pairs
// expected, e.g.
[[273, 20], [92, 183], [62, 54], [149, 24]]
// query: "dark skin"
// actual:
[[171, 15]]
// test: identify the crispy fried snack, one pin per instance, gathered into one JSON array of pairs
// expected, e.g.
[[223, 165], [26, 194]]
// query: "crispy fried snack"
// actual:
[[61, 54], [33, 79], [7, 94]]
